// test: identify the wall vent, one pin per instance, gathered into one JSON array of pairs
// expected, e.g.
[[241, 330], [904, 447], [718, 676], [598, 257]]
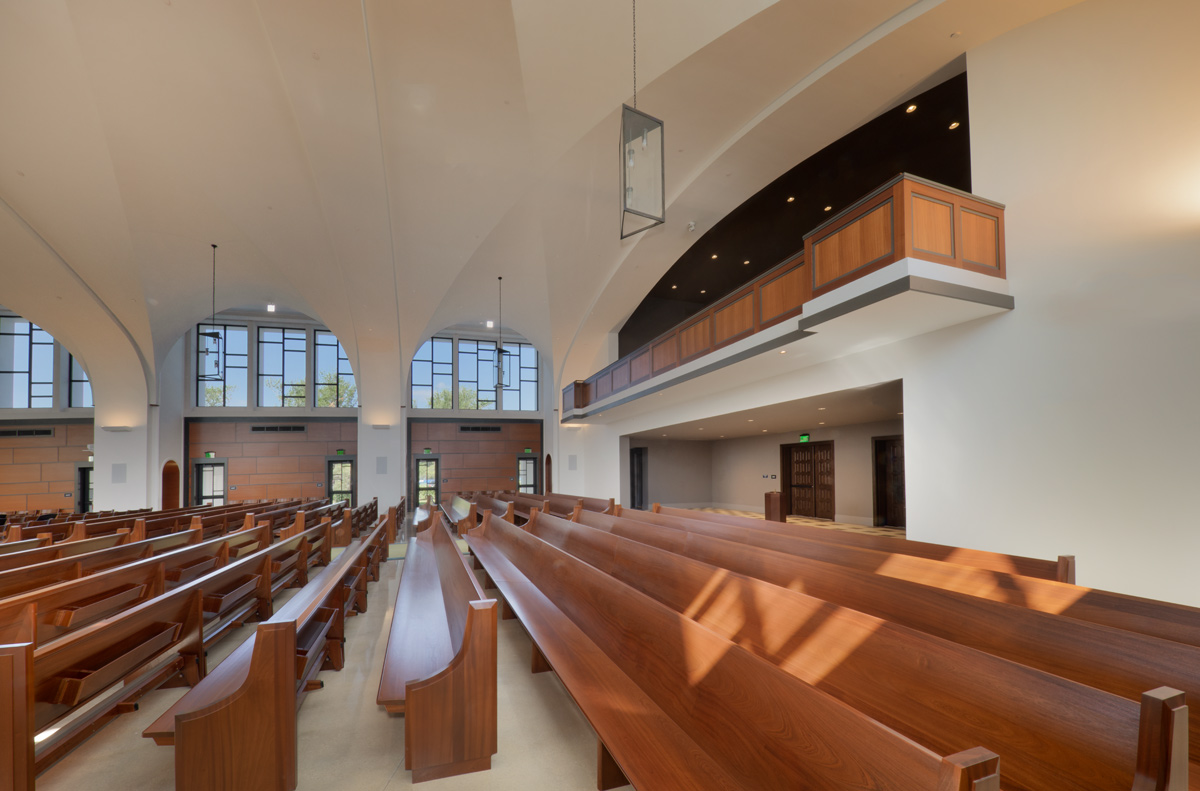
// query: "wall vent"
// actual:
[[278, 428], [492, 429], [26, 432]]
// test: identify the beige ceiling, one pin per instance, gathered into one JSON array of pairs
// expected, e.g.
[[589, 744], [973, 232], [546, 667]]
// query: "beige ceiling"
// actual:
[[376, 164]]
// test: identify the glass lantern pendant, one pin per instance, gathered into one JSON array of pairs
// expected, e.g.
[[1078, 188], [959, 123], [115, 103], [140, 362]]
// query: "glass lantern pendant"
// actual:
[[642, 173]]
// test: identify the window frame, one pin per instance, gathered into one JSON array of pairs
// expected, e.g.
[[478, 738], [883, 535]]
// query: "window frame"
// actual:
[[466, 352], [202, 384]]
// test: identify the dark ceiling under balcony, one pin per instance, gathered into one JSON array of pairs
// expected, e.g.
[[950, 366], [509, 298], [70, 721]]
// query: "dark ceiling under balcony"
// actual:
[[769, 228]]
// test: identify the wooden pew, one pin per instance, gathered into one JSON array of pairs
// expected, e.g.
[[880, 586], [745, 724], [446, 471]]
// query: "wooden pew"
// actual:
[[77, 684], [503, 509], [439, 669], [50, 566], [1146, 616], [242, 586], [522, 503], [563, 505], [237, 728], [1060, 570], [1117, 661], [460, 513], [676, 706], [903, 678], [589, 503]]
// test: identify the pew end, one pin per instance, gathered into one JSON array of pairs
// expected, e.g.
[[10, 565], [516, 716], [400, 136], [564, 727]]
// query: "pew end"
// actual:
[[1162, 754], [975, 769]]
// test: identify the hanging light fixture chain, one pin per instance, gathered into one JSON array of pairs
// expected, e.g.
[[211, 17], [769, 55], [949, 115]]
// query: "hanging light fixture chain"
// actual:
[[213, 319], [635, 54]]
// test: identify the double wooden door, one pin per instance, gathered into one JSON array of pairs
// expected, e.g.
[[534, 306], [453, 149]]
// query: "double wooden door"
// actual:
[[808, 479]]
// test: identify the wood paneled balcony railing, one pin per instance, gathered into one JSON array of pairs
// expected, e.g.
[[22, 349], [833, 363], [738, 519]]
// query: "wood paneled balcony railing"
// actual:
[[907, 217]]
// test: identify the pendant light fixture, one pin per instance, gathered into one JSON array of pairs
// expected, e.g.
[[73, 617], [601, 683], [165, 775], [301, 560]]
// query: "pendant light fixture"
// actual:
[[505, 361], [642, 170], [212, 339]]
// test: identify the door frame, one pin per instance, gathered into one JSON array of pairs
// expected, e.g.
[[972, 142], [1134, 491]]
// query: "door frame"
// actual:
[[195, 478], [785, 477], [328, 482], [437, 481]]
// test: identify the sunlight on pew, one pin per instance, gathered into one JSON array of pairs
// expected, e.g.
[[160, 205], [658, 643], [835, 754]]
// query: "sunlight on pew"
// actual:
[[705, 596]]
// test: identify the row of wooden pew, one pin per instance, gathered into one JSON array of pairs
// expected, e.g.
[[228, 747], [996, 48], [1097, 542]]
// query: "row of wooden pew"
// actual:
[[713, 654], [84, 636]]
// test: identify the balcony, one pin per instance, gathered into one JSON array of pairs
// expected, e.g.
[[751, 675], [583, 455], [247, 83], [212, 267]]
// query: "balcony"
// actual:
[[910, 257]]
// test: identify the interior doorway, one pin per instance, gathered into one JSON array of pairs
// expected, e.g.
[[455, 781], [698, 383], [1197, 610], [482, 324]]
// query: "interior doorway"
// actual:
[[170, 486], [807, 479], [85, 493], [638, 478], [426, 484], [889, 482], [339, 481]]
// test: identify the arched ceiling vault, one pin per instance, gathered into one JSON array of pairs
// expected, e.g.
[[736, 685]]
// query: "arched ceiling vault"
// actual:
[[376, 164]]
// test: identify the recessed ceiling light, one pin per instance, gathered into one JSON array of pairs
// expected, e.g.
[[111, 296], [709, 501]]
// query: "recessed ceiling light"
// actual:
[[911, 108], [700, 429], [714, 256], [674, 286], [828, 208], [821, 423], [750, 420], [791, 199], [270, 308], [664, 435], [703, 291], [783, 351], [745, 262], [954, 125], [490, 324], [764, 431], [820, 409]]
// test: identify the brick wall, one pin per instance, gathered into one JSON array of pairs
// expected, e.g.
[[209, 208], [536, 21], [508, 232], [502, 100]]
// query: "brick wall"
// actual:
[[36, 472], [471, 461], [270, 465]]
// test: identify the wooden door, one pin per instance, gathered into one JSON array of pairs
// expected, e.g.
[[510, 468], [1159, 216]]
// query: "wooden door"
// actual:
[[889, 482], [808, 479]]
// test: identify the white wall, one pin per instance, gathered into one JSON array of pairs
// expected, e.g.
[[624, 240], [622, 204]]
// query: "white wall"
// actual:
[[738, 467], [678, 473]]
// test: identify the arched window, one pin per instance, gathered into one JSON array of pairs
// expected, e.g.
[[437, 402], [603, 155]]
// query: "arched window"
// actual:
[[463, 373]]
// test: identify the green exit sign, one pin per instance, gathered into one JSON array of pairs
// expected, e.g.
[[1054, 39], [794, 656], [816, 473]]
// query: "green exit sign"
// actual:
[[529, 450], [429, 450], [804, 438]]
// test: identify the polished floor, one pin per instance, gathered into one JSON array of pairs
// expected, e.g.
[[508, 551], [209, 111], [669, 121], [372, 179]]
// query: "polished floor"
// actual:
[[891, 532], [347, 743]]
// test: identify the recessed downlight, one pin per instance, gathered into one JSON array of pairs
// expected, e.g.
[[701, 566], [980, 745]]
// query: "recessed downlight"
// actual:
[[714, 256], [764, 431], [820, 409], [954, 125], [750, 420], [790, 199], [783, 351], [828, 208], [821, 423], [704, 291], [912, 108], [745, 262], [674, 286], [270, 308]]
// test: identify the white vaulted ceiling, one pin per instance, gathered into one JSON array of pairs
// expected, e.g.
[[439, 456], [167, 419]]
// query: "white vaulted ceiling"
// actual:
[[376, 164]]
